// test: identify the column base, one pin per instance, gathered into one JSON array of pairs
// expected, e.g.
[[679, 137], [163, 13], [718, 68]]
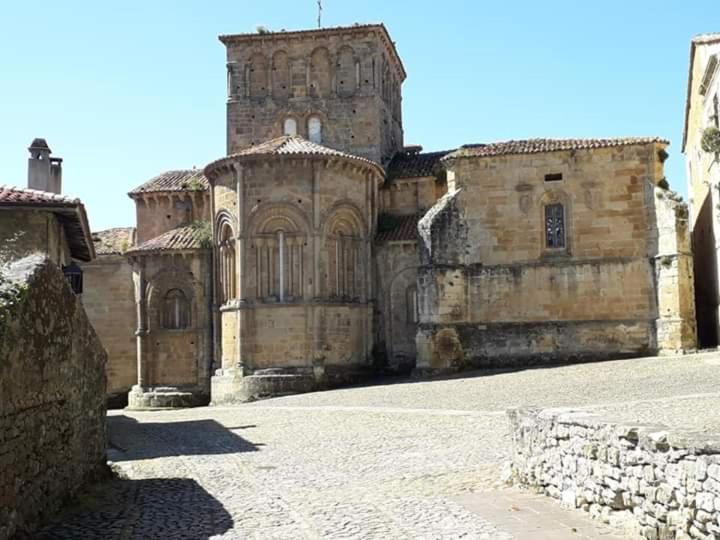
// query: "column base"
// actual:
[[164, 397], [230, 386]]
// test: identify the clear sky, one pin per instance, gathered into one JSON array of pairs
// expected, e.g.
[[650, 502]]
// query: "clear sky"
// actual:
[[125, 90]]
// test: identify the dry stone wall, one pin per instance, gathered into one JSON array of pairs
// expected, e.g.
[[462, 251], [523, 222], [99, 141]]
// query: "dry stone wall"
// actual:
[[52, 395], [654, 483]]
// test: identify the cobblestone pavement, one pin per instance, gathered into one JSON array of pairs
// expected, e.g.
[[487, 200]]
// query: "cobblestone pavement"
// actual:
[[387, 461]]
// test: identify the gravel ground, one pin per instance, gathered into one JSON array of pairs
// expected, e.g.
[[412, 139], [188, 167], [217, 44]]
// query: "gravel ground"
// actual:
[[384, 461]]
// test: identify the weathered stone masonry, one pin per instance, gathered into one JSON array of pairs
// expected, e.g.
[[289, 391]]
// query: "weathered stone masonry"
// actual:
[[655, 483], [52, 395], [495, 290]]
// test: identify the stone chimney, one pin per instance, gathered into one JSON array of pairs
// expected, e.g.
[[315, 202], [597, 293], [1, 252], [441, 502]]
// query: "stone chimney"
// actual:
[[44, 172]]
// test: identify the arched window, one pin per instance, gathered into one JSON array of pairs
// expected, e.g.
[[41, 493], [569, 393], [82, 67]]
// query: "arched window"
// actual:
[[226, 263], [315, 129], [320, 73], [346, 72], [176, 310], [290, 127], [412, 304], [344, 247], [258, 75], [279, 240], [280, 74], [555, 226]]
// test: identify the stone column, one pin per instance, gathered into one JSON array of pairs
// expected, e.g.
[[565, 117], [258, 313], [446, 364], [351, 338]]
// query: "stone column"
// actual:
[[137, 392]]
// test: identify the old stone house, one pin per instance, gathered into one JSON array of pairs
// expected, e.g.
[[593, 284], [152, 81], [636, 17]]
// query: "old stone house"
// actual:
[[702, 114], [52, 364], [540, 250], [39, 219]]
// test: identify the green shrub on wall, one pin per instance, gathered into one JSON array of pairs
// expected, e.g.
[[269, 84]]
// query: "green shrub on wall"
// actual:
[[710, 141]]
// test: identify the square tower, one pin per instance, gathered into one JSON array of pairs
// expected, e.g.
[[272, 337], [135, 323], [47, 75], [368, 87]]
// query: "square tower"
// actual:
[[337, 86]]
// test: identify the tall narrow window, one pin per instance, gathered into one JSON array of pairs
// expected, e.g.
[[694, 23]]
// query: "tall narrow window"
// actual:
[[227, 264], [282, 265], [290, 127], [412, 304], [716, 111], [555, 226], [176, 310], [315, 129]]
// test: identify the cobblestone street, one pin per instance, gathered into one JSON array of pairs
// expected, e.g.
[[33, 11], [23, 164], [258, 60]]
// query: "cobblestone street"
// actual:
[[404, 460]]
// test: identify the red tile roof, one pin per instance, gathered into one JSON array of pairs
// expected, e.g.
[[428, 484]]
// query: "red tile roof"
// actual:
[[404, 229], [114, 241], [69, 211], [181, 180], [187, 237], [11, 195], [287, 145], [414, 165], [537, 146]]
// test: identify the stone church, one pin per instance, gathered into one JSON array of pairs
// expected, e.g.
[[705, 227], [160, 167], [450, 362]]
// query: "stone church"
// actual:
[[320, 247]]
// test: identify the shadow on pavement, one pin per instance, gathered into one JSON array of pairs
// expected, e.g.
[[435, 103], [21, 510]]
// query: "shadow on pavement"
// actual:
[[157, 508], [131, 440]]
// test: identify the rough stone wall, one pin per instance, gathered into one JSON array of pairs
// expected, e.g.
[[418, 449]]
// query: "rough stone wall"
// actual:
[[345, 78], [652, 482], [109, 301], [52, 395], [397, 264], [676, 326], [493, 293], [24, 232], [407, 196], [157, 213]]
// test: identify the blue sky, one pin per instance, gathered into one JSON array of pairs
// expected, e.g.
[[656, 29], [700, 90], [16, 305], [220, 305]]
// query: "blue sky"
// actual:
[[125, 90]]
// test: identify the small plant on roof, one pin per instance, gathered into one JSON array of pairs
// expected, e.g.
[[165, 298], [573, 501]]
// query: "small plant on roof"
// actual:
[[194, 184], [663, 183], [203, 233], [261, 29], [710, 141], [663, 155]]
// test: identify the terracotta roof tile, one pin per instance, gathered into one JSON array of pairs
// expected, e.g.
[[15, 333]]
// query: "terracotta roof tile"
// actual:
[[404, 230], [69, 211], [11, 195], [537, 146], [414, 165], [179, 239], [181, 180], [113, 241], [288, 145]]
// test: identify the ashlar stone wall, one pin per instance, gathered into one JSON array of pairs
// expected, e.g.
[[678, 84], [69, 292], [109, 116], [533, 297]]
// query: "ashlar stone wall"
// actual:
[[493, 293], [109, 301], [649, 481], [300, 285], [52, 395], [396, 320], [347, 79]]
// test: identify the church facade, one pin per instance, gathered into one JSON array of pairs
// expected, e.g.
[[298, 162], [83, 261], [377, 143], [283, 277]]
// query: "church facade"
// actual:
[[320, 248]]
